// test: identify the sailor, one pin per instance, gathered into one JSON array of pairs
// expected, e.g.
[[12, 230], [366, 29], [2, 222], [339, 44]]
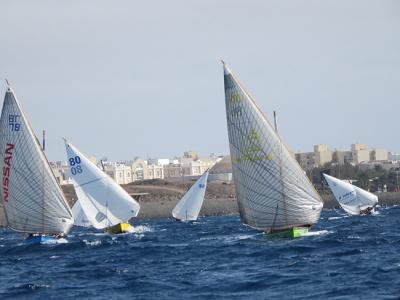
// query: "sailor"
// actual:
[[367, 211]]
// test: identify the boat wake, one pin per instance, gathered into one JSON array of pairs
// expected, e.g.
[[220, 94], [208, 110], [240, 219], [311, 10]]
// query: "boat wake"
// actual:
[[141, 229], [55, 241], [337, 218], [92, 243], [318, 233]]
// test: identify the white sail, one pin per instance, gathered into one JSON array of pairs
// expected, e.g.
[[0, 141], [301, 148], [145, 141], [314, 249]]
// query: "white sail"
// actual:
[[188, 208], [32, 199], [80, 218], [273, 192], [104, 202], [3, 219], [350, 197]]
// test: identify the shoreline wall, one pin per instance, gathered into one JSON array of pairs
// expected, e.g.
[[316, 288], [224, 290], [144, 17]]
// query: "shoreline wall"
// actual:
[[161, 199]]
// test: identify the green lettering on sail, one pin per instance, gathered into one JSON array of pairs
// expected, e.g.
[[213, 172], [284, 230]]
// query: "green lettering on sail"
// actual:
[[253, 136], [254, 152], [235, 97]]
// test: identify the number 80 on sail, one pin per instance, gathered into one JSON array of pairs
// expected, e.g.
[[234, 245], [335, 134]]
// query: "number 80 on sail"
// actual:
[[75, 162]]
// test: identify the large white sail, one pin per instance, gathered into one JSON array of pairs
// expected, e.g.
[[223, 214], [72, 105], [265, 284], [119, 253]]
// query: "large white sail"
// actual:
[[350, 197], [80, 218], [104, 202], [32, 199], [273, 192], [188, 208]]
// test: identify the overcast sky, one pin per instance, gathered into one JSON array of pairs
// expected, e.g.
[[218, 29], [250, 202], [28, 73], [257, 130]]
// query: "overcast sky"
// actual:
[[143, 78]]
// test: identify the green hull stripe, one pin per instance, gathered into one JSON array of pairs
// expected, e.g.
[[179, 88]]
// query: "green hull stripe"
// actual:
[[290, 233]]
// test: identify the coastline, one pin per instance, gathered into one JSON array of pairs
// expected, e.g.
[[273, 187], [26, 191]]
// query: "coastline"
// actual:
[[157, 198]]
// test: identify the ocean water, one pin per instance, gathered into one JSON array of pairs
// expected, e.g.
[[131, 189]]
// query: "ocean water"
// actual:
[[214, 258]]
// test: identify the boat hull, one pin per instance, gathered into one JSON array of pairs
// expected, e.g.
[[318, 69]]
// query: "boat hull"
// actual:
[[39, 239], [184, 221], [120, 228], [294, 232]]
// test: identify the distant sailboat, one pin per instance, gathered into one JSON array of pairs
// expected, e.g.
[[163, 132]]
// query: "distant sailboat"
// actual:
[[273, 193], [80, 218], [32, 201], [105, 203], [188, 208], [354, 200]]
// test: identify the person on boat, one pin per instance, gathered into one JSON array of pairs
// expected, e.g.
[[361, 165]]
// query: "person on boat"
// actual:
[[369, 210]]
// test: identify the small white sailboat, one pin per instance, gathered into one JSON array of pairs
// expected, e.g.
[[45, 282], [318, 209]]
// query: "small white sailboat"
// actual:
[[103, 202], [80, 218], [188, 208], [354, 200], [32, 200], [273, 193]]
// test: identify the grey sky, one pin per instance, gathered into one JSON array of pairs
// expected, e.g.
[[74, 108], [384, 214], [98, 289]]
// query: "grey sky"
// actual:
[[126, 78]]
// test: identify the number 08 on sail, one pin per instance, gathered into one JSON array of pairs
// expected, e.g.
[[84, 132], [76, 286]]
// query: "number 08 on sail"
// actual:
[[273, 193]]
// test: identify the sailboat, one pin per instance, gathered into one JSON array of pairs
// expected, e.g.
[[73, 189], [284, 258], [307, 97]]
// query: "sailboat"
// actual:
[[354, 200], [105, 204], [80, 218], [32, 200], [188, 208], [273, 193]]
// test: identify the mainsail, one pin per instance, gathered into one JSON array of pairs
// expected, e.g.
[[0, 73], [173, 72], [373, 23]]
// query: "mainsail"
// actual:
[[272, 190], [31, 197], [350, 197], [188, 208], [104, 202]]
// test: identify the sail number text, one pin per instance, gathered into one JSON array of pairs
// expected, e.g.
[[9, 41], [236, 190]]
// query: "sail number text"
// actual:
[[14, 122], [74, 163]]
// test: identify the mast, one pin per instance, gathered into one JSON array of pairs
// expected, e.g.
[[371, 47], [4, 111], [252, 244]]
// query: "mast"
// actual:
[[280, 172], [275, 122]]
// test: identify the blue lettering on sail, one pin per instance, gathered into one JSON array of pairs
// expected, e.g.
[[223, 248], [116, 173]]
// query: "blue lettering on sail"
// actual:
[[74, 162], [202, 186], [14, 123], [346, 195]]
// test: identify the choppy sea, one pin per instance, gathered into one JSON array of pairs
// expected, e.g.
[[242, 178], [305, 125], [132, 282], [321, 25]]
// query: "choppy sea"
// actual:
[[214, 258]]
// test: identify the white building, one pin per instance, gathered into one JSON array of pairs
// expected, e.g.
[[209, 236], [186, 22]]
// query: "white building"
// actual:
[[121, 173], [61, 172]]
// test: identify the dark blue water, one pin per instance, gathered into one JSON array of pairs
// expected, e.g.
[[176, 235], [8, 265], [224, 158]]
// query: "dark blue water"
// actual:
[[217, 257]]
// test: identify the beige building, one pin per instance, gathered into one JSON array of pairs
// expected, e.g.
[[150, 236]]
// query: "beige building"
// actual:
[[173, 170], [121, 173], [139, 170], [360, 153], [319, 157], [387, 165], [379, 154], [341, 157], [306, 160], [155, 172], [322, 154], [189, 165]]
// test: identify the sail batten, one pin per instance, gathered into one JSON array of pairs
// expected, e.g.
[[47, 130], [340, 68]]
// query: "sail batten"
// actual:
[[188, 208], [32, 200], [272, 190], [350, 197], [101, 201]]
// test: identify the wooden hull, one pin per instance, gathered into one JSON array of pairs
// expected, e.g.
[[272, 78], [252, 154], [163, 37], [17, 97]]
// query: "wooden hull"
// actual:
[[120, 228]]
